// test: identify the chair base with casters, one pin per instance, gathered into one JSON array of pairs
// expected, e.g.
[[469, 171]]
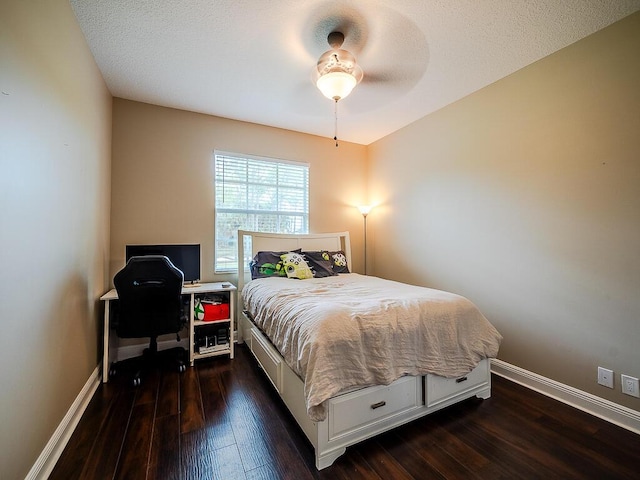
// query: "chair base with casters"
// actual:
[[149, 305], [170, 359]]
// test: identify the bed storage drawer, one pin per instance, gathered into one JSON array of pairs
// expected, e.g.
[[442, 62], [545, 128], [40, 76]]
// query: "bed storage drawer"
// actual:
[[353, 410], [440, 389], [268, 357]]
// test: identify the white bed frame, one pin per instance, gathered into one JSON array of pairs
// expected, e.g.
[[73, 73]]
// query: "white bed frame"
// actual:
[[360, 414]]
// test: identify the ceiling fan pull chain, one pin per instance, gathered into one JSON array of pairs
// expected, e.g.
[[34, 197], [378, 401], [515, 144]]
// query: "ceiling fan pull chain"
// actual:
[[335, 111]]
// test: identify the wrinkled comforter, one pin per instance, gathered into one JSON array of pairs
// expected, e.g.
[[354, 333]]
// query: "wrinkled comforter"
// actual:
[[348, 331]]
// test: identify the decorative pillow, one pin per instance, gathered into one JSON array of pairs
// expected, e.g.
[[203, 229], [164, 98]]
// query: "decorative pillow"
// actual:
[[320, 263], [268, 264], [295, 266], [339, 260]]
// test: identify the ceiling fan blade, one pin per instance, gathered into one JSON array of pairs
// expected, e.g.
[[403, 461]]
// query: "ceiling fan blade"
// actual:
[[400, 78]]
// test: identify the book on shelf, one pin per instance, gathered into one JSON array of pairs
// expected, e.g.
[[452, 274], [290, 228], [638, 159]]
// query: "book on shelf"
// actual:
[[213, 348]]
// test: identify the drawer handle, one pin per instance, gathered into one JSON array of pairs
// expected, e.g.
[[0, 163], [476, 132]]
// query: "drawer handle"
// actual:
[[378, 405], [462, 379]]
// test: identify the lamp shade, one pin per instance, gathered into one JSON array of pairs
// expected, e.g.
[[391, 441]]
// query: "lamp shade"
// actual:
[[365, 209], [336, 85]]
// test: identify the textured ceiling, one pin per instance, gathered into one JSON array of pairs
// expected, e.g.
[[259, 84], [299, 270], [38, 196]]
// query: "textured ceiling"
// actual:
[[252, 60]]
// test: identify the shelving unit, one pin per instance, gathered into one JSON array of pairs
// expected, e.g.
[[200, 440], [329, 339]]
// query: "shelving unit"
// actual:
[[206, 338]]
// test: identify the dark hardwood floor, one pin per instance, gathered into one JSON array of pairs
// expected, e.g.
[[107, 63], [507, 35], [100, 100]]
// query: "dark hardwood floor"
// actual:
[[222, 420]]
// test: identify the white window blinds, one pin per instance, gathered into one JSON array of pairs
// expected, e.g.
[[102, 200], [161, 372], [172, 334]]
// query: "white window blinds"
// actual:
[[260, 194]]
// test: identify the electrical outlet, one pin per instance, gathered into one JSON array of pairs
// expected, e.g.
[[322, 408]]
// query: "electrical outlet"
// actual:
[[605, 377], [629, 385]]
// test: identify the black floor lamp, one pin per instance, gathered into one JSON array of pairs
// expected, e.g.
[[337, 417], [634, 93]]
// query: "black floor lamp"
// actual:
[[364, 210]]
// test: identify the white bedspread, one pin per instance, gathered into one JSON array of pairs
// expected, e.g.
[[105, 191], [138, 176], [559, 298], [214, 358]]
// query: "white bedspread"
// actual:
[[352, 330]]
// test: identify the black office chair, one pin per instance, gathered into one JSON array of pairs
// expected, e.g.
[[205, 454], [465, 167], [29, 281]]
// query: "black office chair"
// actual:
[[150, 304]]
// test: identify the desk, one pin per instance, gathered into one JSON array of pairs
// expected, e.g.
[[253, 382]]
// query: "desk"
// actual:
[[110, 352]]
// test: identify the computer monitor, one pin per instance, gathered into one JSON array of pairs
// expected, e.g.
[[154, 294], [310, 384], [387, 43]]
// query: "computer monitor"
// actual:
[[185, 257]]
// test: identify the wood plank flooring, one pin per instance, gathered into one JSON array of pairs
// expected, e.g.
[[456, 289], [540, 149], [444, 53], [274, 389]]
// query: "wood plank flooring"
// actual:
[[222, 420]]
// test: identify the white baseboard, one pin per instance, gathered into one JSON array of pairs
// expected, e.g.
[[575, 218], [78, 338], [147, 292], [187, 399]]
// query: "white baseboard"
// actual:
[[130, 351], [612, 412], [47, 460]]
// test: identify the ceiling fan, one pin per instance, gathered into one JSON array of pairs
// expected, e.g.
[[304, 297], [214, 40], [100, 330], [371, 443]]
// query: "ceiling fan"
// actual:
[[391, 56]]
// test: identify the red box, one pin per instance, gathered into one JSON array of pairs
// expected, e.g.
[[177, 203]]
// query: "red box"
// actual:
[[215, 311]]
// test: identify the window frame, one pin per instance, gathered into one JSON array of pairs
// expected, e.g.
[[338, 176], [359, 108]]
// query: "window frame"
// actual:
[[304, 187]]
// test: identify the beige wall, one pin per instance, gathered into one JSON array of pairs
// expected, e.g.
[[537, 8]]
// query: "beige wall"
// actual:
[[163, 177], [525, 197], [55, 136]]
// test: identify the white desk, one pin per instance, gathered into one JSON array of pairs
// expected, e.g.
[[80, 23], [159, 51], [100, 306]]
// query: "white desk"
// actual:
[[110, 352]]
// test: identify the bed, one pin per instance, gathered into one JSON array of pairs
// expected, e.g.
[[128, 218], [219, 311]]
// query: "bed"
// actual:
[[352, 355]]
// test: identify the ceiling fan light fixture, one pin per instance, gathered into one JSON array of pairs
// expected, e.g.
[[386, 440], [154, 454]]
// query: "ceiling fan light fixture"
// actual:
[[337, 72], [336, 85]]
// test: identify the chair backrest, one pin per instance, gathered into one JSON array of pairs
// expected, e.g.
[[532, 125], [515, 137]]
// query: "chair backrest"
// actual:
[[149, 297]]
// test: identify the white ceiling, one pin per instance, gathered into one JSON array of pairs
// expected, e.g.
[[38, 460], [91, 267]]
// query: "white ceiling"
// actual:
[[252, 60]]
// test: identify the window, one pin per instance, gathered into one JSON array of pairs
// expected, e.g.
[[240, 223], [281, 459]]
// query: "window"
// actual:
[[260, 194]]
